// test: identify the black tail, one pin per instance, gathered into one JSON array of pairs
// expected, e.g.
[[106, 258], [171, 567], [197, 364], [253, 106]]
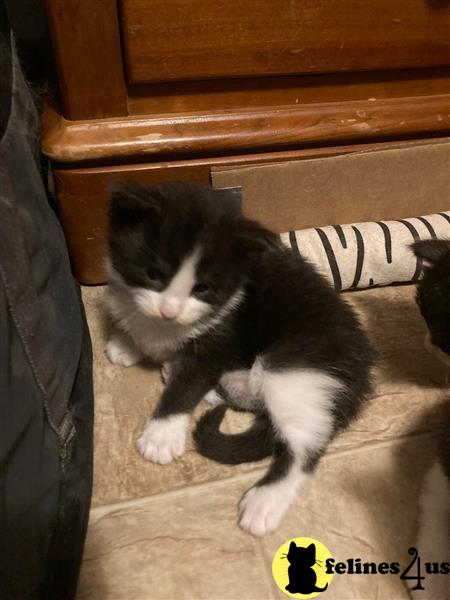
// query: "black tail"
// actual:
[[318, 589], [233, 449]]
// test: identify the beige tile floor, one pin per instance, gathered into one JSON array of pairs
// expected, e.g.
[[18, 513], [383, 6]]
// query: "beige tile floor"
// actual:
[[161, 532]]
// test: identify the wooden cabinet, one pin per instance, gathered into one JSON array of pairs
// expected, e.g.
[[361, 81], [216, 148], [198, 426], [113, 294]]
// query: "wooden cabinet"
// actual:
[[163, 83]]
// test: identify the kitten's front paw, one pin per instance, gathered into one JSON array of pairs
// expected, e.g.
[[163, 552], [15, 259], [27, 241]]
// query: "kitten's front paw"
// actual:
[[119, 353], [262, 509], [164, 439]]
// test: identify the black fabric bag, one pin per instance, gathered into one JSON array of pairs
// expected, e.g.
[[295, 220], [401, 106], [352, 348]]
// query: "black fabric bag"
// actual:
[[46, 403]]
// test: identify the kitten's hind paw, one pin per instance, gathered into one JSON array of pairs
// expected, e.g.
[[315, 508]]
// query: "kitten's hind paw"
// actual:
[[164, 439], [262, 509]]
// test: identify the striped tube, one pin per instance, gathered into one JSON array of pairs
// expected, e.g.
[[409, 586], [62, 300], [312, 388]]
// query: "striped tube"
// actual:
[[363, 255]]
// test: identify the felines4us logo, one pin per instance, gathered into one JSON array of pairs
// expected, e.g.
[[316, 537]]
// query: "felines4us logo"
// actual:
[[304, 568]]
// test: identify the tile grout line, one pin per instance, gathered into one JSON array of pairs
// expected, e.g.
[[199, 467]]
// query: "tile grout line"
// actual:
[[105, 508], [102, 509]]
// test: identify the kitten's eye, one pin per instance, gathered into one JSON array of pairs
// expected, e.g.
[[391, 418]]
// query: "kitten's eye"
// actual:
[[154, 274], [201, 288]]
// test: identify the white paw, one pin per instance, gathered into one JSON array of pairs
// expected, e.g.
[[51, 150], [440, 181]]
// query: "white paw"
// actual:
[[164, 439], [166, 371], [262, 509], [213, 398], [119, 353]]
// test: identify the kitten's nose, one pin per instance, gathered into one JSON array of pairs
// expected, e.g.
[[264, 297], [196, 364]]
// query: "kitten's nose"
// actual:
[[170, 308]]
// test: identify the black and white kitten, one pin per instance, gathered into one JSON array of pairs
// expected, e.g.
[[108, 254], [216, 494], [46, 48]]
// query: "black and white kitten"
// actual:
[[220, 298], [433, 299]]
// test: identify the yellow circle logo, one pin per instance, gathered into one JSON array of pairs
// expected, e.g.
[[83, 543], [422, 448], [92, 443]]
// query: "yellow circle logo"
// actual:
[[299, 568]]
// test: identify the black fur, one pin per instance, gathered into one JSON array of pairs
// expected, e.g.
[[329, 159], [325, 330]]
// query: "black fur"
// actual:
[[294, 318], [252, 445], [433, 299], [152, 228], [433, 291]]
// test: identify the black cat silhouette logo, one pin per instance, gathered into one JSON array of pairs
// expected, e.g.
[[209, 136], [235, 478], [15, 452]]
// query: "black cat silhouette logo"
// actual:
[[299, 568], [302, 577]]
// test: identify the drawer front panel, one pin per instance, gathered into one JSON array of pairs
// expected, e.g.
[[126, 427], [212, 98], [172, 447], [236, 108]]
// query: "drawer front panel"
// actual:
[[199, 39]]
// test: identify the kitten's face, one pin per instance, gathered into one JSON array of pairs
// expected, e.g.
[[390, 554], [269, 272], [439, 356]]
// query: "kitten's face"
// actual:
[[433, 292], [175, 250]]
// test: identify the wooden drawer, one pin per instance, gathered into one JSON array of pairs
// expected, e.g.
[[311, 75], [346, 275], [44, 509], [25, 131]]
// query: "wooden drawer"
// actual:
[[198, 39]]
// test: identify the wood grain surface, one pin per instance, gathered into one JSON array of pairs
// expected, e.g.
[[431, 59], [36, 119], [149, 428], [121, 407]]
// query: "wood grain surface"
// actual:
[[200, 39], [245, 131], [284, 91], [87, 48]]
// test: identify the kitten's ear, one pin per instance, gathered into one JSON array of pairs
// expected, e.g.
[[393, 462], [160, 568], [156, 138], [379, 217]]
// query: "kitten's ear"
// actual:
[[431, 250], [312, 550], [254, 238], [293, 546], [129, 203]]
